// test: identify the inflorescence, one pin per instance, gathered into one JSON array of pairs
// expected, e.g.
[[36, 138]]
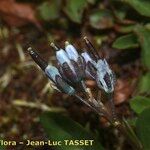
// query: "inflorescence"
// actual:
[[74, 69]]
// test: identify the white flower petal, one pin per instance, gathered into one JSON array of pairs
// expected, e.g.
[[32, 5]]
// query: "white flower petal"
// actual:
[[72, 52], [51, 72], [62, 56], [86, 57]]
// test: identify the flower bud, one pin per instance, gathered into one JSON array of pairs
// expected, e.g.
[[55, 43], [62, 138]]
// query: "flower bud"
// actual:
[[105, 77], [70, 69], [90, 65], [52, 73], [71, 51], [66, 68], [35, 56], [92, 51], [76, 60]]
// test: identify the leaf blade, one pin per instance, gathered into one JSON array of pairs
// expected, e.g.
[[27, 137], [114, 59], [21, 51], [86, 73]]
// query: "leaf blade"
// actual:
[[125, 42], [142, 128], [141, 6], [143, 35], [49, 11], [59, 127], [139, 103], [74, 9], [144, 83], [101, 19]]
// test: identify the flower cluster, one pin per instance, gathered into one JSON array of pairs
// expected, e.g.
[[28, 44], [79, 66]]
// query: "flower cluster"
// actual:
[[73, 69]]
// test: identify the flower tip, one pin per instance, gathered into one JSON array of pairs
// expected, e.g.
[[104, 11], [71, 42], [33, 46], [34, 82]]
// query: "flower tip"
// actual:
[[54, 46], [86, 39], [30, 50], [66, 43]]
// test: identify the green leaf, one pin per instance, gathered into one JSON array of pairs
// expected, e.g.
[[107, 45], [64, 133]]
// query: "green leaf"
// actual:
[[141, 6], [50, 10], [60, 128], [125, 28], [144, 39], [120, 14], [143, 128], [101, 19], [74, 9], [126, 41], [144, 84], [120, 11], [139, 103]]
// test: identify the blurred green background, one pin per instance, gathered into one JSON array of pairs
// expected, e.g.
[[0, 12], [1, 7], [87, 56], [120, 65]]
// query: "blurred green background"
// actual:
[[119, 29]]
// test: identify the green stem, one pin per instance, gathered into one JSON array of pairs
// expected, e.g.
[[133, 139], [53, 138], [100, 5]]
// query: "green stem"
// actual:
[[126, 129], [123, 127]]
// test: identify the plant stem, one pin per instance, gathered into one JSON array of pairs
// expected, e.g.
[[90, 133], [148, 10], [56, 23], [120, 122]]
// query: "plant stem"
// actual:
[[130, 135], [123, 126], [113, 111]]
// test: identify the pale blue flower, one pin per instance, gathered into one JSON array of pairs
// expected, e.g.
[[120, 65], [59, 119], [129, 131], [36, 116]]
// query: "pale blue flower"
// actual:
[[105, 76], [90, 65], [52, 73], [71, 52]]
